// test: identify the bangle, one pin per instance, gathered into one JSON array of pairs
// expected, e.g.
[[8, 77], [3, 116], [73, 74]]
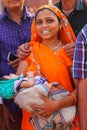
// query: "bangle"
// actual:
[[74, 97]]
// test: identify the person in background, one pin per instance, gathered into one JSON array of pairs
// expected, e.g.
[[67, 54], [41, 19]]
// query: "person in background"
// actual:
[[74, 10], [85, 2], [80, 74], [1, 115], [15, 29], [50, 32], [31, 9]]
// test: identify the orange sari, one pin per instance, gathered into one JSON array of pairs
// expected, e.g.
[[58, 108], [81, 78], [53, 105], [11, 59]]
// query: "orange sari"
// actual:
[[54, 67]]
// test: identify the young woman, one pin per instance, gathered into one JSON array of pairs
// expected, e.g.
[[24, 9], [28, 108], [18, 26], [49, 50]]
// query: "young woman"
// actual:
[[50, 32]]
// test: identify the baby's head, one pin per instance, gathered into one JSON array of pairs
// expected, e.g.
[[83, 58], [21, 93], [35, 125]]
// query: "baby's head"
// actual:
[[10, 76]]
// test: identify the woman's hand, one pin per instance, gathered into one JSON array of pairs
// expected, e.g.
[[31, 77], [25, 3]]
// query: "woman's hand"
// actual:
[[23, 51], [48, 108], [69, 49]]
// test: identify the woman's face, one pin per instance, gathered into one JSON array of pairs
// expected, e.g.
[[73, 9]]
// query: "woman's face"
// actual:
[[11, 4], [47, 24]]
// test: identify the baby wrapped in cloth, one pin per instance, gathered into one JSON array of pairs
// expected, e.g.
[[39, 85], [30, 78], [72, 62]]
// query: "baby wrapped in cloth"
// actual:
[[26, 97]]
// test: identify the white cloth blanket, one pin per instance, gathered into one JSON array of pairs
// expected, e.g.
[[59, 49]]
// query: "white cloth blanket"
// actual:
[[26, 97]]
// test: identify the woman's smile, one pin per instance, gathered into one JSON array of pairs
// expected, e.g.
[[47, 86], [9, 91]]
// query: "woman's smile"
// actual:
[[45, 32]]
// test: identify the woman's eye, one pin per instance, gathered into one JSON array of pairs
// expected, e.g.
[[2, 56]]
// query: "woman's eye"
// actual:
[[50, 20], [39, 22]]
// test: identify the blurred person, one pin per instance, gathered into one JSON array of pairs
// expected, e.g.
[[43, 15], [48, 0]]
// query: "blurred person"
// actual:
[[85, 2], [2, 126], [74, 10], [80, 74], [50, 32], [31, 10], [15, 24]]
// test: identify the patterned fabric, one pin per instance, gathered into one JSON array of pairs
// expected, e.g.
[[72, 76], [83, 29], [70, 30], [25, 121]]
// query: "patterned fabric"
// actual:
[[62, 118], [53, 125], [80, 56], [11, 36], [52, 73], [28, 96]]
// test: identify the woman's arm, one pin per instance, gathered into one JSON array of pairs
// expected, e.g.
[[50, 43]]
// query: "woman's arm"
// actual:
[[55, 105], [46, 111], [22, 67]]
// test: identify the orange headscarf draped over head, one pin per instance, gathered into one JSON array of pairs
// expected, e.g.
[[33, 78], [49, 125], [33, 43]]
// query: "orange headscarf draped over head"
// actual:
[[66, 34]]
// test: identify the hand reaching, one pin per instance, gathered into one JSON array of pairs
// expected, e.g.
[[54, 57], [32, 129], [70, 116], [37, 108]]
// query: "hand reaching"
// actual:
[[23, 51], [48, 108]]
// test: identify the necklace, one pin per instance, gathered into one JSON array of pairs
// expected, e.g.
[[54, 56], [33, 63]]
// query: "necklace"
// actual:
[[54, 48], [68, 11]]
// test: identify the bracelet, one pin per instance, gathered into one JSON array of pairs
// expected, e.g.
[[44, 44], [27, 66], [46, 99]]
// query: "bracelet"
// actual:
[[74, 97]]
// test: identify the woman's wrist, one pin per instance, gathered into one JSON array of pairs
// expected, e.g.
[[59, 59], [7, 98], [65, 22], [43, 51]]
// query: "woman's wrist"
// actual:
[[74, 98], [58, 104], [69, 100]]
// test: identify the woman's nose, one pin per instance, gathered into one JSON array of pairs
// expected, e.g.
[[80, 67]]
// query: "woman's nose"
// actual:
[[44, 24]]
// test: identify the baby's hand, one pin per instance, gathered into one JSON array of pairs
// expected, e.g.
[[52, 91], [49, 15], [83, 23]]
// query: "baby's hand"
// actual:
[[30, 74]]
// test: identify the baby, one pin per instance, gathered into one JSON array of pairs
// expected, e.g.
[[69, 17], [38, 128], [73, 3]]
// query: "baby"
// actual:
[[20, 88], [11, 84]]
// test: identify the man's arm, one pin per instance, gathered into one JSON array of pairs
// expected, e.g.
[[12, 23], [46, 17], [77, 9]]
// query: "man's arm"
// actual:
[[82, 103]]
